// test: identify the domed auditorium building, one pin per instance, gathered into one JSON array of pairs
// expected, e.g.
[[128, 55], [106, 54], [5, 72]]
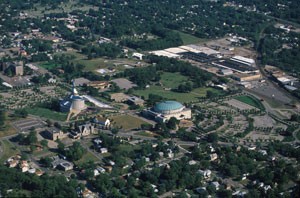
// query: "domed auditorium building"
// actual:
[[163, 111]]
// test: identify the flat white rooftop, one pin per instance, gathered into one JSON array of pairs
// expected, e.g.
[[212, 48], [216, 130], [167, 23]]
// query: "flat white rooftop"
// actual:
[[204, 50], [243, 59], [164, 53], [175, 50]]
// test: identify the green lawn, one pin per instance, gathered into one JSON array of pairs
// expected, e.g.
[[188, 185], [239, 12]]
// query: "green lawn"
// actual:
[[47, 113], [194, 95], [189, 39], [251, 101], [88, 156], [93, 64], [128, 147], [47, 65], [127, 122], [8, 151], [172, 80]]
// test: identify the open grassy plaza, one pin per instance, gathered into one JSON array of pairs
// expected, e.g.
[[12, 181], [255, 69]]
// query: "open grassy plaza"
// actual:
[[172, 80], [127, 122], [47, 113], [192, 96]]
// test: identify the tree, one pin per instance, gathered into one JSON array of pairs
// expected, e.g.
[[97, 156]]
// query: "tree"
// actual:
[[2, 118], [172, 123], [57, 125], [75, 152], [61, 147], [31, 138], [212, 137], [46, 161], [211, 94], [21, 113], [49, 123], [44, 143], [115, 131]]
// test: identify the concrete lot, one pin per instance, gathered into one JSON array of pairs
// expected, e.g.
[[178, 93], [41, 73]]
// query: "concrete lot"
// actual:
[[240, 105], [123, 83], [25, 125], [270, 91], [263, 121]]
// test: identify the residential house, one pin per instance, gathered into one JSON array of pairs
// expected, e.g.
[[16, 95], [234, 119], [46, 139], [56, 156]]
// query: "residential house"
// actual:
[[213, 157], [66, 166], [86, 129], [24, 166], [103, 150], [103, 122]]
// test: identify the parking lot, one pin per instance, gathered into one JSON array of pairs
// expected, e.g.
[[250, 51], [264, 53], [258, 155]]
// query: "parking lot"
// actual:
[[25, 125], [240, 105], [270, 91]]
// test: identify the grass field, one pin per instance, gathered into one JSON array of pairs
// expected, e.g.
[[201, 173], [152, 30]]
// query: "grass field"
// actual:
[[189, 39], [251, 101], [88, 156], [127, 122], [172, 80], [8, 151], [194, 95], [127, 147], [99, 63], [47, 113], [8, 130], [47, 65], [93, 64]]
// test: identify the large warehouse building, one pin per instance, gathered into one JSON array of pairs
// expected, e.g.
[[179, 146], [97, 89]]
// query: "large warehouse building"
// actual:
[[163, 111]]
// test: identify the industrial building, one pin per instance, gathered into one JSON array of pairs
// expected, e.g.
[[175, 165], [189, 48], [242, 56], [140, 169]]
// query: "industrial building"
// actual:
[[199, 57], [241, 77], [163, 111], [243, 60], [235, 66]]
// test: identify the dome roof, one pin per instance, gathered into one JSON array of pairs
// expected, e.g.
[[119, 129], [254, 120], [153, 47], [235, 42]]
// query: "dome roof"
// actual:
[[167, 106]]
